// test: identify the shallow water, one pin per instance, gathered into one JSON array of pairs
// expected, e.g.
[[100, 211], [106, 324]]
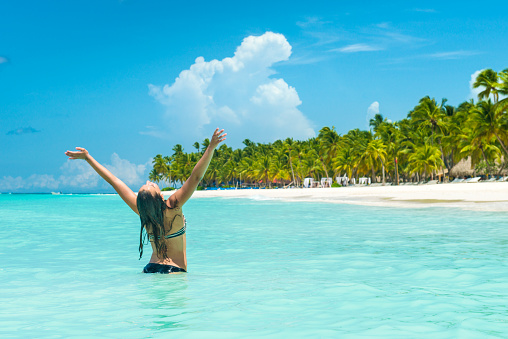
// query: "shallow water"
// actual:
[[69, 267]]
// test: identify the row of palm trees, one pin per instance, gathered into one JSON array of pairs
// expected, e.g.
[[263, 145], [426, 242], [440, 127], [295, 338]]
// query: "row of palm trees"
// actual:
[[427, 143]]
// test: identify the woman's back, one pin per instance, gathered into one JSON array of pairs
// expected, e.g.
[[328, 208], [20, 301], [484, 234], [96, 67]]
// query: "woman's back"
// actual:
[[174, 225]]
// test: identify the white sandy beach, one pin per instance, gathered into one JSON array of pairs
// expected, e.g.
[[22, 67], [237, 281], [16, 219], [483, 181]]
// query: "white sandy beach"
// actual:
[[489, 196]]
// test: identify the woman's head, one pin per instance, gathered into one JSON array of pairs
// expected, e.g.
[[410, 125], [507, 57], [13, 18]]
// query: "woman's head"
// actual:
[[151, 205], [151, 187]]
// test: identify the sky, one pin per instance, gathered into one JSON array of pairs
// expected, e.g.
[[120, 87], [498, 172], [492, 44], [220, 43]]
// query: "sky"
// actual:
[[130, 79]]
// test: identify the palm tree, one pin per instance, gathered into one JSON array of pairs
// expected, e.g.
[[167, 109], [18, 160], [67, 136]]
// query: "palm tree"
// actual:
[[205, 144], [196, 146], [328, 140], [479, 147], [289, 146], [503, 87], [278, 170], [489, 80], [345, 161], [425, 159], [489, 122], [167, 176], [429, 114], [391, 136], [375, 151], [245, 169], [357, 142], [154, 176], [262, 167], [160, 168], [481, 133], [311, 165], [502, 112], [376, 121], [213, 173]]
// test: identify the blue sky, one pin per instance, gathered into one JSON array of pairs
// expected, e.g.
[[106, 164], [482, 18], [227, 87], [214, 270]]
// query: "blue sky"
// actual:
[[130, 79]]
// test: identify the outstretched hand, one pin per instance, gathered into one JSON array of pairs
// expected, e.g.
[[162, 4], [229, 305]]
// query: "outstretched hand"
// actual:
[[217, 137], [80, 154]]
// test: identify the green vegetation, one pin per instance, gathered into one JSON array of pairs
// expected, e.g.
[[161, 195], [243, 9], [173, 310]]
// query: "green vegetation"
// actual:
[[433, 137], [167, 189]]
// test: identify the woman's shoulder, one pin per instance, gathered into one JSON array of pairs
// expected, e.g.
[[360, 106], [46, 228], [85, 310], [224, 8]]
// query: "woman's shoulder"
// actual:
[[172, 203], [173, 207]]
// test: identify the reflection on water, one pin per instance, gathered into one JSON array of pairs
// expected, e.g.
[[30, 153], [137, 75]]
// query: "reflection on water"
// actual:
[[164, 300]]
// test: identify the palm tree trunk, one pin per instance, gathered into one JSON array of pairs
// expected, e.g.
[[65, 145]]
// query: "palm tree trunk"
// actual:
[[292, 172], [486, 162], [383, 168], [324, 167], [501, 142], [300, 177], [396, 170], [373, 174], [442, 157], [502, 167]]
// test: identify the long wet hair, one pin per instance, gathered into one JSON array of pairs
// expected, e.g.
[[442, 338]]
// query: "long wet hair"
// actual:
[[151, 213]]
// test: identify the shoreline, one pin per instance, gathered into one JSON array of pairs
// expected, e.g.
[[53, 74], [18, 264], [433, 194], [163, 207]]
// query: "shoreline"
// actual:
[[488, 196]]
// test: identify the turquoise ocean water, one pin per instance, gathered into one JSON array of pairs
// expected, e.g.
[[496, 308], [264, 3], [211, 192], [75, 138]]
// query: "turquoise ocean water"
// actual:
[[69, 268]]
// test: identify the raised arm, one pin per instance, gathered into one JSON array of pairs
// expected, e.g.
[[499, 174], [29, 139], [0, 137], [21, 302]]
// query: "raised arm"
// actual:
[[181, 196], [120, 187]]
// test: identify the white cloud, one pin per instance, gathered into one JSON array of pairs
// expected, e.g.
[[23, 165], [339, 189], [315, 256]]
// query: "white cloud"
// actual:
[[357, 48], [424, 10], [311, 21], [77, 175], [33, 182], [128, 172], [371, 112], [236, 93], [453, 55], [23, 130], [11, 184]]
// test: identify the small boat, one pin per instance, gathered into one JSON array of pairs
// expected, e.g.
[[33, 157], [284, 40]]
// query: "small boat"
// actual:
[[56, 193]]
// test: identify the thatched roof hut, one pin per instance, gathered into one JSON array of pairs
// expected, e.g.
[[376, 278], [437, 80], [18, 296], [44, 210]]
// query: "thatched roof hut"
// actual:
[[462, 168]]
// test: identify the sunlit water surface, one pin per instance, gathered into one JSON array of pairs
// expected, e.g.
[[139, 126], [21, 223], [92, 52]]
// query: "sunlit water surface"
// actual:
[[69, 267]]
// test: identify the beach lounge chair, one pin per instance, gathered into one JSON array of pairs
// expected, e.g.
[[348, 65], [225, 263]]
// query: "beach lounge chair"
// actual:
[[491, 179], [457, 180], [433, 182], [474, 180], [364, 181], [308, 182], [326, 182]]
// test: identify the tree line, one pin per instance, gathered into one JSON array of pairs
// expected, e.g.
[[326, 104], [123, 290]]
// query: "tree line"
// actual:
[[433, 137]]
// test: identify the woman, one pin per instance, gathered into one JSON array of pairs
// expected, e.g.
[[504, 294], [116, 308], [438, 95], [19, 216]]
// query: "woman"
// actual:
[[162, 220]]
